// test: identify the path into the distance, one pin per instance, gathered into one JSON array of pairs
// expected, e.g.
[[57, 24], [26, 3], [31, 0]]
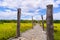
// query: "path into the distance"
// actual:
[[36, 33]]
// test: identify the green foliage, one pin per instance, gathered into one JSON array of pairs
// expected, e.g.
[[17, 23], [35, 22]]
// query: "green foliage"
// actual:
[[56, 31], [15, 21], [25, 26], [56, 21], [8, 30], [8, 21]]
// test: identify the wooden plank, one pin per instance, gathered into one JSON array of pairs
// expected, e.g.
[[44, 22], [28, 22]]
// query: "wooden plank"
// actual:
[[18, 22], [49, 20]]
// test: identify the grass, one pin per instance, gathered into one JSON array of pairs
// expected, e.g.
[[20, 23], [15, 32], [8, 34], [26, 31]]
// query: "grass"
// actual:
[[56, 31], [8, 30]]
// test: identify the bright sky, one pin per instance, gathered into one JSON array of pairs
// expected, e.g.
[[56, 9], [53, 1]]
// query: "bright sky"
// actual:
[[36, 8]]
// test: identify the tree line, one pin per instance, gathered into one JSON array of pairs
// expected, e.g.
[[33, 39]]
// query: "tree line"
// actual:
[[26, 21], [15, 21]]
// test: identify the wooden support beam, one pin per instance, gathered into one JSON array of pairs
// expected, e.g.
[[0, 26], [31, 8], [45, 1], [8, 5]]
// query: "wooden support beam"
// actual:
[[49, 20], [42, 22], [18, 22]]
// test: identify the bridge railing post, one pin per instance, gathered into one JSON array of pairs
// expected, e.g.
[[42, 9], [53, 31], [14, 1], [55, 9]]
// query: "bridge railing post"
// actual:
[[32, 22], [49, 20], [18, 22], [42, 22]]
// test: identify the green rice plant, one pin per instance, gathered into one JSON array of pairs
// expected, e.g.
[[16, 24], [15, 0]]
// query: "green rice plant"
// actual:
[[56, 30], [25, 26], [8, 30]]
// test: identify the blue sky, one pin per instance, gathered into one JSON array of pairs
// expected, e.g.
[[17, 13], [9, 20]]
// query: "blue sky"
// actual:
[[29, 8]]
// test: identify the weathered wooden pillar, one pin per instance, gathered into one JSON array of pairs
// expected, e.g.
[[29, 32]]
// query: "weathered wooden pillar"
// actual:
[[32, 22], [18, 22], [49, 20], [38, 21], [42, 22]]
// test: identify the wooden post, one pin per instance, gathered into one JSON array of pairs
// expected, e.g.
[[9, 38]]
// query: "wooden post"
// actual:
[[42, 22], [32, 22], [38, 21], [18, 22], [49, 20]]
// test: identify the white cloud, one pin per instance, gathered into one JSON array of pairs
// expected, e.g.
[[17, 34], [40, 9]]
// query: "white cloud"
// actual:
[[58, 1], [56, 16], [26, 5], [8, 15], [13, 15]]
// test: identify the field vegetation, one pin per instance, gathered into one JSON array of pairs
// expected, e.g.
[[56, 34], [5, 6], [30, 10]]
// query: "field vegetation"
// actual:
[[8, 28], [56, 30]]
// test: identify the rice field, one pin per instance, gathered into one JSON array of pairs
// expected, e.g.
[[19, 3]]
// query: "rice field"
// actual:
[[8, 30], [56, 31]]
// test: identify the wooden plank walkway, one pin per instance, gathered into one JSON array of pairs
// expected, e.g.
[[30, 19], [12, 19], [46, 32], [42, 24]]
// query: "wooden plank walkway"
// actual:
[[36, 33]]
